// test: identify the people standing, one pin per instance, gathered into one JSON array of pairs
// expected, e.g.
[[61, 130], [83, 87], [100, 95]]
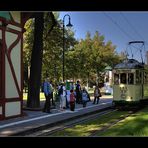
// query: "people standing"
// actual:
[[78, 93], [84, 97], [47, 93], [62, 95], [52, 89], [97, 94], [72, 100]]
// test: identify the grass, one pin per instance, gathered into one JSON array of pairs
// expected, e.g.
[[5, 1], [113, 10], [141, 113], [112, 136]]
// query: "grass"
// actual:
[[135, 125], [87, 128], [42, 97]]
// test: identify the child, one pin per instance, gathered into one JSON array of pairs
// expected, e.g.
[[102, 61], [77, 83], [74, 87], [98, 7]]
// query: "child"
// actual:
[[84, 97], [72, 100]]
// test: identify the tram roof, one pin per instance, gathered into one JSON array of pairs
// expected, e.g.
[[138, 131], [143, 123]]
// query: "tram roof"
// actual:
[[129, 64]]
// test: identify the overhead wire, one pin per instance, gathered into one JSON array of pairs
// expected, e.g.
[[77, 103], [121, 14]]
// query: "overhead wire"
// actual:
[[132, 26], [135, 30], [127, 34]]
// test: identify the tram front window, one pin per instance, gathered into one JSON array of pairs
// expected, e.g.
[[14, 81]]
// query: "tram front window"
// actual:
[[123, 78], [130, 78]]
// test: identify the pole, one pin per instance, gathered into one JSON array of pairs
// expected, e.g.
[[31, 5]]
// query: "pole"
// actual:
[[68, 25], [63, 51]]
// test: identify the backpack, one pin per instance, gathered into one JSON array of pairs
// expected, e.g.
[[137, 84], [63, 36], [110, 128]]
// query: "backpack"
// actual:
[[77, 87], [60, 91]]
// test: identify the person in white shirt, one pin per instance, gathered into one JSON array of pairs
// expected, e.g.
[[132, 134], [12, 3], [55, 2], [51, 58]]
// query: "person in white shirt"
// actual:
[[62, 95]]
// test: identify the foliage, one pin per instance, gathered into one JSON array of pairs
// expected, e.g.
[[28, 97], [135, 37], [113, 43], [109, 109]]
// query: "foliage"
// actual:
[[52, 46], [85, 59], [91, 56]]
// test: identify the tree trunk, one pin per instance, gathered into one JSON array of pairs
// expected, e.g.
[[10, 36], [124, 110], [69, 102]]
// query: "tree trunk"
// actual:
[[33, 100]]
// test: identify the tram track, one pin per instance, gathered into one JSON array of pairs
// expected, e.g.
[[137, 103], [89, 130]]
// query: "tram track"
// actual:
[[103, 129], [60, 127]]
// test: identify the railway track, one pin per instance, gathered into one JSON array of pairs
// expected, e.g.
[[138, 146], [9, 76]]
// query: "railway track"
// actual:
[[65, 125]]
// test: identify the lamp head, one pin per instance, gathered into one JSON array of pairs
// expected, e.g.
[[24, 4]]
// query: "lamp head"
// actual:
[[69, 24]]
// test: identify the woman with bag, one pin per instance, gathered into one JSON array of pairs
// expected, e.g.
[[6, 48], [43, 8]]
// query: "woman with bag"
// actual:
[[97, 94]]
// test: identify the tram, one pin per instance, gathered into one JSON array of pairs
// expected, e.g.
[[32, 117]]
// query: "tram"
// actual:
[[130, 82]]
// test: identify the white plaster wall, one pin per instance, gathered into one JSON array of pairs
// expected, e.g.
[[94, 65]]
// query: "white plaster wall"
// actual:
[[0, 110], [16, 61], [10, 88], [12, 108], [16, 16], [14, 27], [11, 91], [10, 38]]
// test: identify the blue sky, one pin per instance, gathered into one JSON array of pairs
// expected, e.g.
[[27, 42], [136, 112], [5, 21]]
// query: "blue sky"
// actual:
[[120, 27]]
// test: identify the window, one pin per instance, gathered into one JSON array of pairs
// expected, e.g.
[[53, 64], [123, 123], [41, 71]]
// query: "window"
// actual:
[[138, 77], [116, 79], [146, 77], [130, 78], [123, 78]]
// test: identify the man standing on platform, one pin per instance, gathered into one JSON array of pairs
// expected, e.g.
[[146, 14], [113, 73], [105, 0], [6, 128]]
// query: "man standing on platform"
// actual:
[[78, 93], [47, 93]]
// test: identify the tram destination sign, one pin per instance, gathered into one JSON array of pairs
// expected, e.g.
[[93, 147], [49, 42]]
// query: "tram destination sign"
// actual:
[[124, 71]]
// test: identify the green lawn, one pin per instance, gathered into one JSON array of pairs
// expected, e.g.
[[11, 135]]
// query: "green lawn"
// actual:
[[135, 125], [42, 97], [87, 128]]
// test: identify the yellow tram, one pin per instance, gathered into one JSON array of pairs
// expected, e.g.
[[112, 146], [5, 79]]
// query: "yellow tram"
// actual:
[[130, 82]]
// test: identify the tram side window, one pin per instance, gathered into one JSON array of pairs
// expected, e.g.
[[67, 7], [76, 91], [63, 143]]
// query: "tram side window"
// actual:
[[146, 77], [130, 78], [138, 77], [116, 79], [123, 78]]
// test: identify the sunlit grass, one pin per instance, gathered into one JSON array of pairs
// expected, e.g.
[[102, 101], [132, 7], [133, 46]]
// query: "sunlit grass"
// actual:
[[135, 125], [42, 97], [89, 127]]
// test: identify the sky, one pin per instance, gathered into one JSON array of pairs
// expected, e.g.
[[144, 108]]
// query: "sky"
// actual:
[[121, 27]]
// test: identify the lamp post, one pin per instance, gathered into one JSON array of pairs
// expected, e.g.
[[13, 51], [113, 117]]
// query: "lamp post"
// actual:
[[68, 25]]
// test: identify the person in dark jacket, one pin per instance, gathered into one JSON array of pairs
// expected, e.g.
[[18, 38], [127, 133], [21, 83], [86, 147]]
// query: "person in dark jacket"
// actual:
[[78, 93], [47, 93]]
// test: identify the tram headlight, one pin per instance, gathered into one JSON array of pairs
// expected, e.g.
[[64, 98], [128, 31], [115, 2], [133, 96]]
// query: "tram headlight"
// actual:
[[129, 98]]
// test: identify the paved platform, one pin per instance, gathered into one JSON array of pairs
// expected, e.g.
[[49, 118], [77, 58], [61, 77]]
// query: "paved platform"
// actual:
[[38, 119]]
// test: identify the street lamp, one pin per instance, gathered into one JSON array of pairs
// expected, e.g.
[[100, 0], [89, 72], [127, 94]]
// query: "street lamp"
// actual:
[[68, 25]]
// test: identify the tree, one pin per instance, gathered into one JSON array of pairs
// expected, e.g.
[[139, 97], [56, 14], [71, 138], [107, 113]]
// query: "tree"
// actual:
[[47, 50], [91, 56], [33, 100]]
